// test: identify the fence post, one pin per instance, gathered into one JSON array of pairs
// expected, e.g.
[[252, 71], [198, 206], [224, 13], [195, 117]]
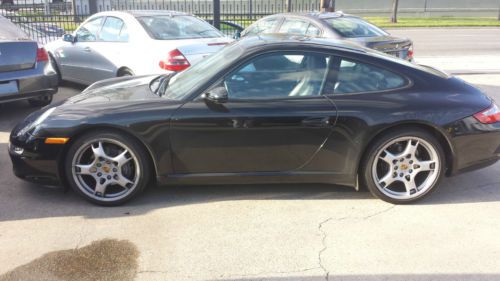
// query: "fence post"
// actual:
[[217, 14], [288, 6], [92, 7], [327, 5]]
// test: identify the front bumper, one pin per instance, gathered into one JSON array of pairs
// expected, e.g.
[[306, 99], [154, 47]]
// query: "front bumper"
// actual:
[[35, 161]]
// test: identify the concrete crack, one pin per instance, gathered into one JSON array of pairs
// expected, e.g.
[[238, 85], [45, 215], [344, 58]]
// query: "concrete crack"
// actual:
[[325, 235], [270, 273]]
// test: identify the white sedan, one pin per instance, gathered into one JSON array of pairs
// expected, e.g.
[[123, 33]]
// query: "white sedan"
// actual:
[[113, 44]]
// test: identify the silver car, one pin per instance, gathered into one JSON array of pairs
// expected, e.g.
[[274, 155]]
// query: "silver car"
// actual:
[[121, 43]]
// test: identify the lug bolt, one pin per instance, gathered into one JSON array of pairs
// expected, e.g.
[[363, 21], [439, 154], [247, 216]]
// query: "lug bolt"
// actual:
[[115, 170], [411, 171], [411, 161], [108, 177], [394, 174], [98, 165], [395, 167], [408, 156], [394, 161], [401, 175], [401, 160], [416, 166], [99, 174]]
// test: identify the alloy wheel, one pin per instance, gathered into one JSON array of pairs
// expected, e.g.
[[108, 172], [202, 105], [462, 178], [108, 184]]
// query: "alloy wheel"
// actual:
[[105, 170], [406, 168]]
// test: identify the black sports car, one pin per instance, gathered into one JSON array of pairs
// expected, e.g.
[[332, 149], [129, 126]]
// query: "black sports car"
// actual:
[[265, 109]]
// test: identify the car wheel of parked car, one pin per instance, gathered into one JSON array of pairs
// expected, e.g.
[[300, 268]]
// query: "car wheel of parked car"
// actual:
[[125, 72], [41, 101], [107, 168], [403, 166]]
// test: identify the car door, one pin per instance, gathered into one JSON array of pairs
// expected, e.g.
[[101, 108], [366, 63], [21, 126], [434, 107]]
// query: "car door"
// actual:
[[275, 118], [77, 58], [111, 49]]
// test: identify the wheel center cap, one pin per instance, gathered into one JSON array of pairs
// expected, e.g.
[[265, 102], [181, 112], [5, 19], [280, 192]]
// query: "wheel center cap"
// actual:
[[106, 169], [404, 167]]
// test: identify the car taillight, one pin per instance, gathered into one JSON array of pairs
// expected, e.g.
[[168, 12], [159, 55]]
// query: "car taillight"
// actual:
[[410, 52], [489, 115], [175, 61], [41, 55]]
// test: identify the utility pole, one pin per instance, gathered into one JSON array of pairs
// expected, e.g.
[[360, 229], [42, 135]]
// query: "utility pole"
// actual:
[[394, 17], [92, 7]]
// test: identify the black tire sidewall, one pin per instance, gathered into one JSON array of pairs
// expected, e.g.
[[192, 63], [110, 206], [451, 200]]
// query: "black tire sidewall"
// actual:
[[132, 144], [379, 143]]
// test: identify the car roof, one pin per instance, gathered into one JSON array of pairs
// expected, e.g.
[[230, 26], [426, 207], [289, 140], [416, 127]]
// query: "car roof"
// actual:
[[142, 13], [317, 15], [255, 41], [10, 31]]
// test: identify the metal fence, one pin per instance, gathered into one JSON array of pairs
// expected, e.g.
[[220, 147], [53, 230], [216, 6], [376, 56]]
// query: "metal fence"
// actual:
[[45, 21]]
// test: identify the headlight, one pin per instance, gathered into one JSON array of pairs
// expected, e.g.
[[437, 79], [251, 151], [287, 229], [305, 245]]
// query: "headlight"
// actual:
[[37, 122]]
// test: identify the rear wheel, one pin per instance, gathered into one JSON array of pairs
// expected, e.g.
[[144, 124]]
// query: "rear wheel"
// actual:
[[107, 168], [403, 166], [41, 100]]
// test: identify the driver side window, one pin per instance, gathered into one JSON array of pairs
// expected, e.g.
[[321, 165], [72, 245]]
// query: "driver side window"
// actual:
[[89, 31], [279, 75]]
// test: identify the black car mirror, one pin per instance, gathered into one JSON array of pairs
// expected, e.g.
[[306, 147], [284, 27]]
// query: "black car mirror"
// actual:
[[68, 38], [237, 34], [216, 95]]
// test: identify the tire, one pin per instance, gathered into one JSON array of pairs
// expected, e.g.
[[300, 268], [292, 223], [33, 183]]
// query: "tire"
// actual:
[[41, 100], [100, 157], [417, 164], [125, 72]]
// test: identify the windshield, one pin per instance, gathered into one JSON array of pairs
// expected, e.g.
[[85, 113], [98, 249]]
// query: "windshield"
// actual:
[[165, 27], [200, 73], [354, 27]]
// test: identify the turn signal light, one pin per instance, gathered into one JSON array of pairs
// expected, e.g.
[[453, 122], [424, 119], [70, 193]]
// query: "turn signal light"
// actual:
[[56, 140], [42, 55], [175, 61], [489, 116]]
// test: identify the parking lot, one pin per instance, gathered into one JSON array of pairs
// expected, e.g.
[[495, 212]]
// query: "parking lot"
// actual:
[[250, 232]]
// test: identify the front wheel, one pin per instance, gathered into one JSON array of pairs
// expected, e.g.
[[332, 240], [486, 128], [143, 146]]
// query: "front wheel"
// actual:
[[403, 166], [107, 168]]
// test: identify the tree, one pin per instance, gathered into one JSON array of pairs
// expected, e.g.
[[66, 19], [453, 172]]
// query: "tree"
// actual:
[[394, 17]]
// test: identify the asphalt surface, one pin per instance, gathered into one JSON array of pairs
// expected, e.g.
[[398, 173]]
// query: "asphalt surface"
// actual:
[[452, 41], [249, 232]]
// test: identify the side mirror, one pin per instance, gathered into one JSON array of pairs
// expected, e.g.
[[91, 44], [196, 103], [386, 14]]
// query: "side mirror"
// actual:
[[237, 34], [68, 38], [216, 95]]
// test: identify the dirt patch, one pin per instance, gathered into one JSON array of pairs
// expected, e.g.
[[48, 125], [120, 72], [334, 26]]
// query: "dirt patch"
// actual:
[[102, 260]]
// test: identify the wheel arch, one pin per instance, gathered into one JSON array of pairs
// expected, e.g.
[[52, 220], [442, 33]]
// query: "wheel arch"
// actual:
[[117, 129], [120, 71], [444, 141]]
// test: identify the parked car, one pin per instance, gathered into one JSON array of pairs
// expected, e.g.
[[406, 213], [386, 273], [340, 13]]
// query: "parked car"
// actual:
[[49, 29], [265, 109], [335, 25], [26, 72], [111, 44]]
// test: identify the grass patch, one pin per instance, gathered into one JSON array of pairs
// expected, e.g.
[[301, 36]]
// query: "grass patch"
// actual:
[[435, 21]]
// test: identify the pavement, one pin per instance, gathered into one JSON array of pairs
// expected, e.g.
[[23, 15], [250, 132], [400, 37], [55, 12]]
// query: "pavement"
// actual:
[[249, 232]]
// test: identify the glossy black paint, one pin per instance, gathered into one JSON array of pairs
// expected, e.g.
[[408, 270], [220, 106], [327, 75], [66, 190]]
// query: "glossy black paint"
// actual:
[[310, 139]]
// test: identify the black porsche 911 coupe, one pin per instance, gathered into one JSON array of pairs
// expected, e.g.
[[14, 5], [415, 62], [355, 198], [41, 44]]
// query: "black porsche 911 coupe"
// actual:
[[266, 109]]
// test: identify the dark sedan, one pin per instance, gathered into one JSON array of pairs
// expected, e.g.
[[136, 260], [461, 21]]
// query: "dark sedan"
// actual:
[[265, 110], [336, 26], [26, 72]]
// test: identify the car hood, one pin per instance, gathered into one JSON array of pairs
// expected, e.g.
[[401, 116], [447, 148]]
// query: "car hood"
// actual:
[[383, 43]]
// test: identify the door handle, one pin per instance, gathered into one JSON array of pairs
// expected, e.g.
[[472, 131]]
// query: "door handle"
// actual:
[[316, 122], [87, 49]]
